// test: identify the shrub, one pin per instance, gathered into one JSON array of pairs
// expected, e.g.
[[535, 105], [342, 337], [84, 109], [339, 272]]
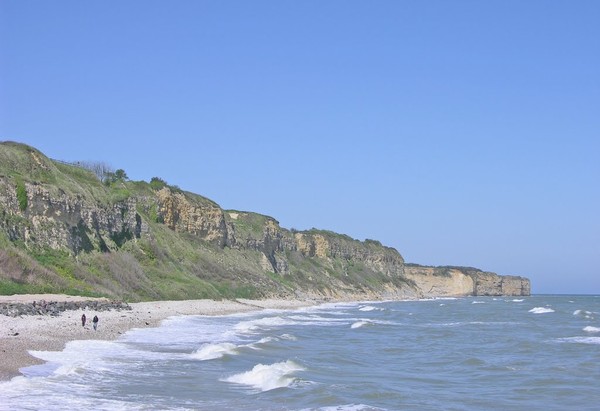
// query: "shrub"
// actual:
[[21, 195], [157, 183]]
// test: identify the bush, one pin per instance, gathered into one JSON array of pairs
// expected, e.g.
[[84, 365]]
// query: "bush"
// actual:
[[21, 195], [157, 183]]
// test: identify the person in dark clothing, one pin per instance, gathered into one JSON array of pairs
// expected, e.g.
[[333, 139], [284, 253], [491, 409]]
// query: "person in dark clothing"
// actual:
[[83, 320], [95, 321]]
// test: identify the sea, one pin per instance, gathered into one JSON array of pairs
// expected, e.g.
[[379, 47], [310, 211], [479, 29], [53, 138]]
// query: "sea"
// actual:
[[476, 353]]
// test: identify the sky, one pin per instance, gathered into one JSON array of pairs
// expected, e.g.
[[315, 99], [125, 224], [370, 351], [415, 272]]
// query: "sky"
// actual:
[[458, 132]]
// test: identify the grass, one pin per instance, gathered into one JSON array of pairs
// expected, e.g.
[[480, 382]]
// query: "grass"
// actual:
[[20, 160], [57, 260], [330, 234], [11, 287], [281, 279], [249, 226], [21, 195]]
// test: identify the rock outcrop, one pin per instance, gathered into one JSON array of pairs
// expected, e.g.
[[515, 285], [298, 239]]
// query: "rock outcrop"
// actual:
[[194, 216], [493, 284]]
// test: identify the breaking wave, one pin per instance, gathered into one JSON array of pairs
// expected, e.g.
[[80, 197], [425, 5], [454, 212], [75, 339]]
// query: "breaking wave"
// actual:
[[214, 351], [541, 310], [267, 377], [359, 324], [252, 326]]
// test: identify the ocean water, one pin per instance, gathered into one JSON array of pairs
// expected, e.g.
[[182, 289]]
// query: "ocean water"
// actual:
[[476, 353]]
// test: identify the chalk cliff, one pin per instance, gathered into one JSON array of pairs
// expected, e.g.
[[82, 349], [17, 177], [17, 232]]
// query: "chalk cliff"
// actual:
[[62, 229]]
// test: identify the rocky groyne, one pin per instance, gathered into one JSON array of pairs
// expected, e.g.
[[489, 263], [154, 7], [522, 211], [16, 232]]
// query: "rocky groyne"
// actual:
[[55, 308]]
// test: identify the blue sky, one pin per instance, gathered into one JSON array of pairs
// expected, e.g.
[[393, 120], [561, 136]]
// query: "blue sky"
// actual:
[[458, 132]]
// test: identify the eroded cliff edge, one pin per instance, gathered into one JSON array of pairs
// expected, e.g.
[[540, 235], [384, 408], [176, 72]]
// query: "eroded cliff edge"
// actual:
[[61, 229]]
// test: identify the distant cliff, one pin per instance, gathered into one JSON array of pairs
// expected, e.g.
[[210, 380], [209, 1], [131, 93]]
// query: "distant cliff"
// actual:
[[62, 229], [457, 281]]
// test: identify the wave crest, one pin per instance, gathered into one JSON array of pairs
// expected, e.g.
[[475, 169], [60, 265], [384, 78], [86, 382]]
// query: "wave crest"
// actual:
[[541, 310], [359, 324], [267, 377], [590, 329], [214, 351]]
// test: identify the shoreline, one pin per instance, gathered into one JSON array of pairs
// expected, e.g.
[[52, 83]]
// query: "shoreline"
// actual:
[[22, 334]]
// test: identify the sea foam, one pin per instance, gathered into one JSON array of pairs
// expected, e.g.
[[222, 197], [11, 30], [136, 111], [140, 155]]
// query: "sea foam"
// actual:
[[583, 313], [288, 337], [316, 320], [370, 308], [349, 407], [252, 326], [590, 329], [581, 340], [80, 355], [267, 377], [541, 310]]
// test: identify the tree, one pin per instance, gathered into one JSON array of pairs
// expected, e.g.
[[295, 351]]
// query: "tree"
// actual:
[[102, 170], [121, 175]]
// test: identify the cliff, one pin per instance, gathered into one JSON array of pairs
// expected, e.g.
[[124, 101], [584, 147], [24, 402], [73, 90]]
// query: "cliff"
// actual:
[[459, 281], [64, 230]]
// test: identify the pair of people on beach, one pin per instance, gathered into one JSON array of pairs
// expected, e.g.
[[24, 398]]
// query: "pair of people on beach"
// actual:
[[94, 321]]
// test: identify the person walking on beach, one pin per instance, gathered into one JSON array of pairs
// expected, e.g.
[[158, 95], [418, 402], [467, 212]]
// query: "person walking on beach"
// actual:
[[83, 320], [95, 321]]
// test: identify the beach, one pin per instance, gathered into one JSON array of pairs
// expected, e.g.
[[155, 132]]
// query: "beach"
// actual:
[[22, 334]]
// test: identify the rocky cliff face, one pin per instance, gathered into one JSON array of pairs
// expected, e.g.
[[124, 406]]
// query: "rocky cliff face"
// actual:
[[154, 239], [460, 281], [492, 284], [60, 221], [200, 218]]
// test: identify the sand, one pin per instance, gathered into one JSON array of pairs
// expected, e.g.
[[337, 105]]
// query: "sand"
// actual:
[[22, 334]]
